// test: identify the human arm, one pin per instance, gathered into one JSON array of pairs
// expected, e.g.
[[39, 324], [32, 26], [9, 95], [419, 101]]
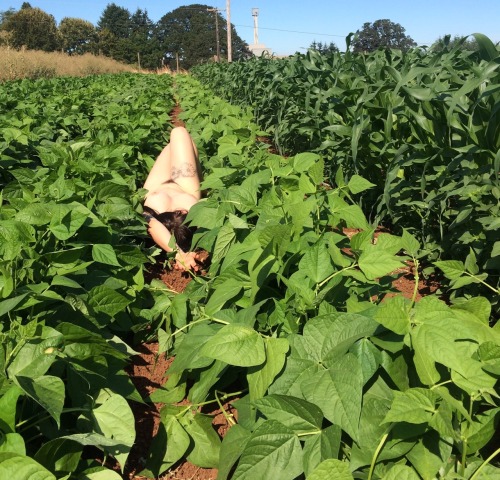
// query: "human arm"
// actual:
[[162, 237]]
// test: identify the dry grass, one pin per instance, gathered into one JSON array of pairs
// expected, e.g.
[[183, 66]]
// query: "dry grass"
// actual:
[[18, 64]]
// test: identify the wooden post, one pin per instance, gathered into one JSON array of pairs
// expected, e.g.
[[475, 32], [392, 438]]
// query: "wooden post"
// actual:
[[229, 42]]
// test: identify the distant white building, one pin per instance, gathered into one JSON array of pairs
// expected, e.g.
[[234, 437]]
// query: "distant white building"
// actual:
[[258, 49]]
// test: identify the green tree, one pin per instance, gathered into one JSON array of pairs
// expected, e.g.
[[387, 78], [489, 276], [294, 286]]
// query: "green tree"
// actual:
[[114, 31], [324, 48], [4, 34], [382, 33], [32, 28], [144, 41], [189, 34], [77, 36], [447, 43], [116, 20]]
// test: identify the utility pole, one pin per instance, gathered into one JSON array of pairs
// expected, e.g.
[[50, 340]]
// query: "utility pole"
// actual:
[[229, 43], [216, 10]]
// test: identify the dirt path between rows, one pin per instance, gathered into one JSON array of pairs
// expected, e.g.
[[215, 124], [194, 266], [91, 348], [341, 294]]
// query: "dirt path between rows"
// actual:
[[148, 371]]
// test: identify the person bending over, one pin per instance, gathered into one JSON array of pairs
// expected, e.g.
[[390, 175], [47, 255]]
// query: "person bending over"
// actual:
[[173, 186]]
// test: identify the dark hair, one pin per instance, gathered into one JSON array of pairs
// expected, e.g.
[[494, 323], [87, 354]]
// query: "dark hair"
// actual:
[[175, 224]]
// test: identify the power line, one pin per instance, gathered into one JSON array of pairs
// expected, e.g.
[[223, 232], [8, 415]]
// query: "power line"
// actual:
[[294, 31]]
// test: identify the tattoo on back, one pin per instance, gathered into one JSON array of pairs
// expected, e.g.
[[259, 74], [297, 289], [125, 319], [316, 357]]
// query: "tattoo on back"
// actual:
[[184, 170]]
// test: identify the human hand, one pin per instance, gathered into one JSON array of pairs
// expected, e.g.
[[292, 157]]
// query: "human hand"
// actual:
[[185, 261]]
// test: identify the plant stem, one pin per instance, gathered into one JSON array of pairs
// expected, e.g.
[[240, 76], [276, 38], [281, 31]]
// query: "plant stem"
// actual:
[[46, 417], [204, 319], [496, 290], [417, 278], [228, 418], [335, 274], [376, 454], [486, 462], [194, 406]]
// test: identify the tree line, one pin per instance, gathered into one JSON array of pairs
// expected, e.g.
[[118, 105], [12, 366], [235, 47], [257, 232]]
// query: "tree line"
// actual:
[[181, 38], [184, 37]]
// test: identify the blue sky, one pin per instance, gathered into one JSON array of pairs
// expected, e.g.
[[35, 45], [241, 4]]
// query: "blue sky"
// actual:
[[287, 26]]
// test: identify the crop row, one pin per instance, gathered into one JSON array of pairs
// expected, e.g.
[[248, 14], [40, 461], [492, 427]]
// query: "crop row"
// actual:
[[72, 289], [288, 324], [423, 127]]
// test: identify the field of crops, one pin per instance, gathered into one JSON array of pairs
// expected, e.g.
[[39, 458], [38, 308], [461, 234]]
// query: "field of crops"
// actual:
[[423, 127], [295, 323]]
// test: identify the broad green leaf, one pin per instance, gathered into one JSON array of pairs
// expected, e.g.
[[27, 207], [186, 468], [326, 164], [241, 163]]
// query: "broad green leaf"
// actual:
[[297, 414], [104, 253], [416, 405], [208, 378], [396, 365], [232, 447], [206, 448], [223, 293], [358, 184], [316, 263], [451, 268], [34, 359], [225, 239], [34, 214], [168, 445], [304, 161], [401, 472], [12, 442], [430, 455], [338, 392], [60, 280], [13, 465], [59, 455], [273, 451], [106, 300], [410, 243], [394, 314], [377, 263], [46, 390], [339, 334], [331, 469], [11, 303], [8, 404], [479, 432], [354, 217], [479, 306], [67, 219], [188, 353], [296, 371], [115, 420], [318, 448], [100, 474], [236, 345], [369, 357], [261, 377]]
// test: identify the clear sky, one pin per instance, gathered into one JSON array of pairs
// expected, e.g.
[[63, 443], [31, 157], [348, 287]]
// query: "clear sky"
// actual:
[[287, 26]]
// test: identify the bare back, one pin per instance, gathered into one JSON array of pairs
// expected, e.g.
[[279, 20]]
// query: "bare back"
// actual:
[[169, 197]]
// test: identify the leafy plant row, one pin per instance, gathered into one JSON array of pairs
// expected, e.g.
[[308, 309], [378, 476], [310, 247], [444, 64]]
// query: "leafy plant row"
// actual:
[[287, 320], [73, 155], [289, 327], [422, 126]]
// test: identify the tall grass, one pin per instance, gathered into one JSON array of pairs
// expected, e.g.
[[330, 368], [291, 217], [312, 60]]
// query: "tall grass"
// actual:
[[18, 64]]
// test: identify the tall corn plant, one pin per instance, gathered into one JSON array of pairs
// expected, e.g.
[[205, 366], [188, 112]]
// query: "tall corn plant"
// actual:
[[422, 126]]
